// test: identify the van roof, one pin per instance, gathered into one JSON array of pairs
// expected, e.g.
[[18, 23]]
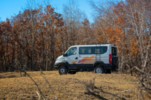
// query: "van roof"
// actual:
[[93, 45]]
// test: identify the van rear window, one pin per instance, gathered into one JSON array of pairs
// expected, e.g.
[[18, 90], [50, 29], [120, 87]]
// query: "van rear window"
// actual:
[[114, 51]]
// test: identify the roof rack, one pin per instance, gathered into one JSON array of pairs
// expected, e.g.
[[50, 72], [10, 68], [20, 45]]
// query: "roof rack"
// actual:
[[95, 43]]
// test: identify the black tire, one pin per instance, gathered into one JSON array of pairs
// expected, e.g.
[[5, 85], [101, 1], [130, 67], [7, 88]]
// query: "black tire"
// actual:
[[108, 71], [114, 68], [99, 69], [62, 70], [72, 72]]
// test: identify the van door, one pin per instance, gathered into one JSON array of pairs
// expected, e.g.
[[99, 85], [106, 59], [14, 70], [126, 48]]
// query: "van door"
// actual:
[[114, 58], [72, 57], [86, 57]]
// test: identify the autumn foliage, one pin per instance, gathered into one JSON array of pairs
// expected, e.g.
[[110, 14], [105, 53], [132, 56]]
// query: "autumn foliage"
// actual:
[[36, 37], [32, 38]]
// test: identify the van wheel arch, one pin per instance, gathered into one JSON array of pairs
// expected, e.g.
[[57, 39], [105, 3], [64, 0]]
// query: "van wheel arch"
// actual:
[[63, 65], [98, 63]]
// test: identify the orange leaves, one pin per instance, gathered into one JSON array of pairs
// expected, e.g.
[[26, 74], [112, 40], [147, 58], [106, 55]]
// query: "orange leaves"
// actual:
[[136, 17], [119, 7], [120, 20], [37, 24], [33, 34], [48, 7], [48, 10], [115, 35], [134, 46], [55, 30]]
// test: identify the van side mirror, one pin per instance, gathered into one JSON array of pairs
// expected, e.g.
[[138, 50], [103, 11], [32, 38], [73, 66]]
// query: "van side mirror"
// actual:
[[64, 54]]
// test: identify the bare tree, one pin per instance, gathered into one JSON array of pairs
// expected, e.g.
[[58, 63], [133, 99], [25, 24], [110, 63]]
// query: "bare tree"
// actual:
[[73, 18], [140, 19], [133, 20]]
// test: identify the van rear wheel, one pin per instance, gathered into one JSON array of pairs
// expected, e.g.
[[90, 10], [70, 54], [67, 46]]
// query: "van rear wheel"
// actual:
[[99, 69], [62, 70]]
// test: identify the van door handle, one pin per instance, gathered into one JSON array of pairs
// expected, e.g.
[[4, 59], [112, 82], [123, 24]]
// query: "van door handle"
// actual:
[[76, 58]]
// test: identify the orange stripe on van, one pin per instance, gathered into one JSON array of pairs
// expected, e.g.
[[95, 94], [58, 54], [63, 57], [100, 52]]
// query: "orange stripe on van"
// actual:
[[74, 62], [86, 59]]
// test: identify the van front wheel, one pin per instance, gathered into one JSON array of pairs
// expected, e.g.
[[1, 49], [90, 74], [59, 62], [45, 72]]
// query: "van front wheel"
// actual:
[[99, 69], [62, 70]]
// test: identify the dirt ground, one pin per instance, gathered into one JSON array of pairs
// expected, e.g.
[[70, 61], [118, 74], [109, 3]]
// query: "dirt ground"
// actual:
[[66, 87]]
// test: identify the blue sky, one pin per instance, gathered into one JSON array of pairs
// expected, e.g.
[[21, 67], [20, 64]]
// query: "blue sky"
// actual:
[[10, 8]]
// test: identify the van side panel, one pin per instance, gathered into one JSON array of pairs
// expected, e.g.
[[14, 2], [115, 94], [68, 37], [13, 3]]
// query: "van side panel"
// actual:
[[86, 57]]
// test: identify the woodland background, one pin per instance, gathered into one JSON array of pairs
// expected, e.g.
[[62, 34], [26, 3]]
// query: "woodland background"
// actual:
[[34, 38]]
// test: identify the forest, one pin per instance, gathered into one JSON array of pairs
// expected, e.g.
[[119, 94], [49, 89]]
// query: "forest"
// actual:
[[35, 37]]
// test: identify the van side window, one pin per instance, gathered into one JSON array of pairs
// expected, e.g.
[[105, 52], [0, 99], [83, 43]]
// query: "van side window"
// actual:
[[86, 50], [114, 51], [72, 51], [101, 50], [93, 50]]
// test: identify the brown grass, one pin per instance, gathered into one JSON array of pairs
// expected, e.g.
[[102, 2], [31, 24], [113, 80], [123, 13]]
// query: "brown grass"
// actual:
[[14, 87]]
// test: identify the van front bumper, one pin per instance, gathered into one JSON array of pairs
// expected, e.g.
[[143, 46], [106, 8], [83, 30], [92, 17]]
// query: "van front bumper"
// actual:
[[56, 65]]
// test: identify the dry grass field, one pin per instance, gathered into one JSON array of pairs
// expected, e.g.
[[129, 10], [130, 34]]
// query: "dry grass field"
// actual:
[[66, 87]]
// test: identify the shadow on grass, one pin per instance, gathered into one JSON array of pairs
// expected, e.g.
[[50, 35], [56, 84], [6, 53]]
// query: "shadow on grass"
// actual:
[[98, 96], [10, 76]]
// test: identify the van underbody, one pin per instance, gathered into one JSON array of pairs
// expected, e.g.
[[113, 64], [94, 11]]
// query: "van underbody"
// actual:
[[84, 67]]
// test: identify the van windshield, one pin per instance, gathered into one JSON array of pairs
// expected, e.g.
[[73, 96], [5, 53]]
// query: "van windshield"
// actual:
[[72, 51]]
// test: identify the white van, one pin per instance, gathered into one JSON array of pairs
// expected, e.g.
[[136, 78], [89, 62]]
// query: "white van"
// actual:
[[99, 57]]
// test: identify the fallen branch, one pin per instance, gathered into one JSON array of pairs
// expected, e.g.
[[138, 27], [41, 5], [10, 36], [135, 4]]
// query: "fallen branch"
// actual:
[[98, 91], [38, 95], [50, 87], [127, 90], [91, 89], [36, 85], [139, 70]]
